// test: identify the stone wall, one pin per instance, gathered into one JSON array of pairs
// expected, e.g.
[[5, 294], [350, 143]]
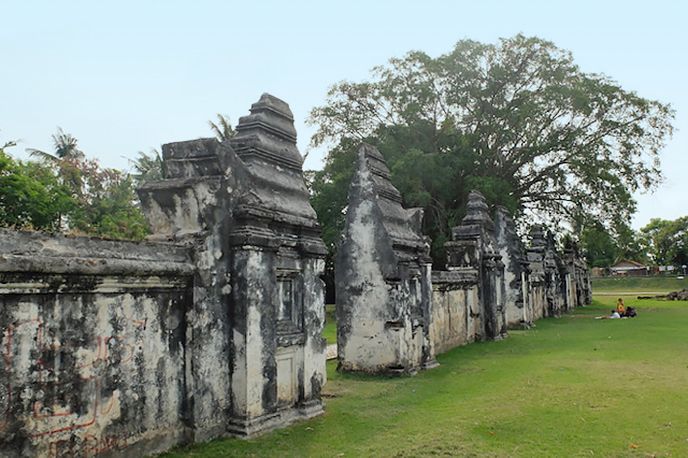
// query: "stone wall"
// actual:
[[517, 300], [243, 205], [455, 296], [94, 345], [474, 247], [579, 286], [212, 327], [491, 281]]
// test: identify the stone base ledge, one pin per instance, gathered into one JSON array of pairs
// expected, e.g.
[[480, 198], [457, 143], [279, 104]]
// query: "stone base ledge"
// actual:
[[247, 428]]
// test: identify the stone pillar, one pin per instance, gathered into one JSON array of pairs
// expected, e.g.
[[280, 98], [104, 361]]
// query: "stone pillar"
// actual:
[[536, 279], [183, 209], [258, 355], [515, 270], [277, 259], [549, 278], [556, 275], [580, 293], [473, 246], [382, 277]]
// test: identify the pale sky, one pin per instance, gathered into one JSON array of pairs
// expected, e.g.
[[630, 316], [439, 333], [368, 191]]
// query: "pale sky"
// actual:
[[126, 76]]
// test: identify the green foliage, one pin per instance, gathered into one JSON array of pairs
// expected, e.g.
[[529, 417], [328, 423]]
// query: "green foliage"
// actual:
[[630, 243], [667, 241], [31, 196], [223, 130], [572, 386], [518, 121], [110, 208], [149, 167], [603, 247], [329, 191], [599, 246], [68, 191]]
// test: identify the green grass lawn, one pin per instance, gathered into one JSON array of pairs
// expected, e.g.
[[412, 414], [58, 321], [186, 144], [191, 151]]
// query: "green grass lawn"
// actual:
[[573, 386], [330, 331], [638, 284]]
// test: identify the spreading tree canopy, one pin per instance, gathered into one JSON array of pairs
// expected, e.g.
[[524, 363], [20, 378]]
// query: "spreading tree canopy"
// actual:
[[667, 241], [518, 121]]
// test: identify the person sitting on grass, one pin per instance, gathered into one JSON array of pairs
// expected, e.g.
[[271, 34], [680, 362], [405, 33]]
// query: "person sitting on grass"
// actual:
[[630, 311], [621, 310], [614, 315]]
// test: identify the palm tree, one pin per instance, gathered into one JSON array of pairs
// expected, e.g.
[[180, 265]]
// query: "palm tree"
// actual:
[[65, 149], [149, 167], [223, 129], [67, 158]]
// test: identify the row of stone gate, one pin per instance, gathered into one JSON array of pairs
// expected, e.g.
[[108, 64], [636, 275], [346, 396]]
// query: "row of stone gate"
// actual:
[[214, 325]]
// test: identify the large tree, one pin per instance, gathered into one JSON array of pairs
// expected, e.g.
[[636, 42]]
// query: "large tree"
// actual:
[[518, 121], [599, 246], [667, 241]]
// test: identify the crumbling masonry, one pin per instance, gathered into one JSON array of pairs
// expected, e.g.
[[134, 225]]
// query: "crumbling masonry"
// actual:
[[388, 324], [214, 325], [115, 347], [382, 273]]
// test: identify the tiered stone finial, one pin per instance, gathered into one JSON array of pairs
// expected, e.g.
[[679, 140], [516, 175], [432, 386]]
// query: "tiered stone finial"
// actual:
[[477, 211], [473, 248], [382, 276], [538, 237], [266, 144], [403, 225], [268, 135]]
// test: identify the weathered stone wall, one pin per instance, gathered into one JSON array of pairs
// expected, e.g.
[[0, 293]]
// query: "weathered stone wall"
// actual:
[[213, 327], [455, 296], [538, 279], [491, 283], [557, 282], [556, 276], [382, 272], [186, 209], [94, 345], [579, 286]]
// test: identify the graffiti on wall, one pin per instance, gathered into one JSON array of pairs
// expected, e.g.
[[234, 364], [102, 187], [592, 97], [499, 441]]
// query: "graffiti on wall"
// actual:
[[59, 384]]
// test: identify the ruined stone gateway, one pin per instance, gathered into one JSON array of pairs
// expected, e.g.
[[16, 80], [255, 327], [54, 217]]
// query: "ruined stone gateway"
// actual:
[[213, 326], [382, 276], [394, 314]]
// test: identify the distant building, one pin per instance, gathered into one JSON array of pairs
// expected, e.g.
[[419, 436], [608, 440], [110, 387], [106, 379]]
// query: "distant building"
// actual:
[[599, 271], [629, 268], [666, 269]]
